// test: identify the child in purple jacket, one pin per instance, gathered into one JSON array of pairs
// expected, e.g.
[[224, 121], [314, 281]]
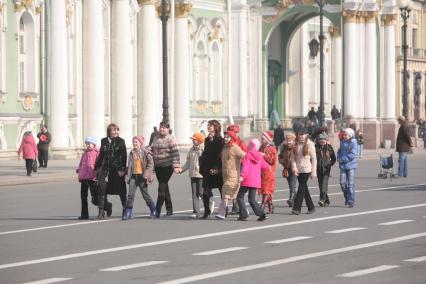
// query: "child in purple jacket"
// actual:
[[250, 178], [86, 174]]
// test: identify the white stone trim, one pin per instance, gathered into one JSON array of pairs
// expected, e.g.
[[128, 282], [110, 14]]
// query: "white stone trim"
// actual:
[[208, 5]]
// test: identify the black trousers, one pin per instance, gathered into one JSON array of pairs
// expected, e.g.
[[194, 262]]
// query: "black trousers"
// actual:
[[303, 193], [43, 157], [163, 176], [84, 190], [29, 165]]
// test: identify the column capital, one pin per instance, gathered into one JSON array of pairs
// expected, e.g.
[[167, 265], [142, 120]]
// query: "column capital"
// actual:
[[370, 16], [182, 10], [360, 17], [349, 16], [389, 19], [147, 2], [334, 31]]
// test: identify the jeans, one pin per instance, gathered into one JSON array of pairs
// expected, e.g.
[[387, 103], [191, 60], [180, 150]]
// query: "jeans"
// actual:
[[138, 182], [163, 176], [292, 184], [197, 192], [347, 183], [257, 209], [360, 148], [323, 187], [402, 164], [303, 193]]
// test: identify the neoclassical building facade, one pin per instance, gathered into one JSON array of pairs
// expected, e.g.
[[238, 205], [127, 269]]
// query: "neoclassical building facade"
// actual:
[[77, 65]]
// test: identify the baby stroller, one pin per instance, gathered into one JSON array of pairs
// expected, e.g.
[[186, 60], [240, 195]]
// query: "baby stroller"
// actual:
[[386, 167]]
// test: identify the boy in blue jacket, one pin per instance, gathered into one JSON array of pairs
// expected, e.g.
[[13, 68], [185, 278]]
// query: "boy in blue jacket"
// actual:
[[347, 159]]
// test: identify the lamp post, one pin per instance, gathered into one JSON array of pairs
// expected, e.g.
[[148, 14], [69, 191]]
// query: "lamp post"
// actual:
[[164, 19], [405, 8], [320, 113]]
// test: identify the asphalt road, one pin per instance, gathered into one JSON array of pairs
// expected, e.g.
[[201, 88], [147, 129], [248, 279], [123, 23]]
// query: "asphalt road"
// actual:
[[381, 240]]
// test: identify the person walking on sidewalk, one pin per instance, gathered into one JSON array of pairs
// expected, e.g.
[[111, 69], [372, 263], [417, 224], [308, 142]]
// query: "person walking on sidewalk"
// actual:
[[304, 166], [86, 174], [284, 158], [250, 178], [166, 162], [28, 150], [231, 157], [269, 153], [325, 160], [111, 168], [347, 159], [140, 166], [193, 165], [403, 146], [359, 136], [44, 139]]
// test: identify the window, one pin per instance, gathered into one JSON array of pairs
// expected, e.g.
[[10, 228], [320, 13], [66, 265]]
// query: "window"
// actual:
[[26, 54], [414, 38], [21, 76]]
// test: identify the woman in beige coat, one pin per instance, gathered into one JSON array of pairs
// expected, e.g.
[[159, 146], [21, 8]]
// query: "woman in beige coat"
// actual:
[[231, 163], [304, 166]]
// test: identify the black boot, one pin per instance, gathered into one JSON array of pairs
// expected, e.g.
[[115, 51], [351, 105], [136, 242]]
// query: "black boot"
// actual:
[[101, 202], [206, 203], [84, 212], [101, 214]]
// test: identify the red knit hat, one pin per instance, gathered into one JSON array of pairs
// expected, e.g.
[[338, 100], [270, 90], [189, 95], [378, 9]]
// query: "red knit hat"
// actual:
[[268, 136], [141, 139], [233, 136], [233, 127]]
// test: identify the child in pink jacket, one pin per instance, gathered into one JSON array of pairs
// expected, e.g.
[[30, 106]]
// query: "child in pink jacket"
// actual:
[[28, 150], [86, 174], [250, 178]]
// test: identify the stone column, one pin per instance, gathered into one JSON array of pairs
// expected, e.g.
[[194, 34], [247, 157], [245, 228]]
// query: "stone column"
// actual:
[[337, 66], [149, 97], [93, 69], [122, 75], [59, 79], [360, 40], [370, 126], [181, 100], [390, 127], [351, 89]]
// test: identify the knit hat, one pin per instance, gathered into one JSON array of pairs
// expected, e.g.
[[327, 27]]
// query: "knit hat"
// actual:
[[253, 144], [141, 139], [198, 136], [290, 136], [233, 135], [233, 127], [323, 136], [349, 131], [268, 136], [91, 140]]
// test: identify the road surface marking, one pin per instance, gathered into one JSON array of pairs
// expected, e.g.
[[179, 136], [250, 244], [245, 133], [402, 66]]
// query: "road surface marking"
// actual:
[[218, 251], [202, 236], [345, 230], [182, 211], [290, 259], [417, 259], [395, 222], [368, 271], [288, 240], [49, 280], [134, 265]]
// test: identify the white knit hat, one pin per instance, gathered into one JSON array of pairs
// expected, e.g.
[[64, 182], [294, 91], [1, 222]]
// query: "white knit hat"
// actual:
[[350, 131], [91, 140]]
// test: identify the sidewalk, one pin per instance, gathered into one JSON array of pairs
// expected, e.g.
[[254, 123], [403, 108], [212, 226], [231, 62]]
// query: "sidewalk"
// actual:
[[13, 172]]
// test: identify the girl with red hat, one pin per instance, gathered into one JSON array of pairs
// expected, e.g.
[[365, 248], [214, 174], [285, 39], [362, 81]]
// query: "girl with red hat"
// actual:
[[269, 153]]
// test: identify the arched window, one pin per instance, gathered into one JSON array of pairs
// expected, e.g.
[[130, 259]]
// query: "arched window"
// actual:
[[26, 54], [216, 75], [201, 70]]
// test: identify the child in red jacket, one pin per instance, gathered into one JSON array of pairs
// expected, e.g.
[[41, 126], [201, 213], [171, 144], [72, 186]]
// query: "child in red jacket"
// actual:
[[28, 150]]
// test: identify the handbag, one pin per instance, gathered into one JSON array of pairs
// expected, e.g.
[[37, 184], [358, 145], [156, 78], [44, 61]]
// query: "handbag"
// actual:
[[35, 166], [285, 173]]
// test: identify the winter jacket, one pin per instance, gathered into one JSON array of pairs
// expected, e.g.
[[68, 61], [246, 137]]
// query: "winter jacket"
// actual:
[[113, 155], [146, 161], [165, 151], [253, 163], [86, 168], [28, 148], [231, 163], [305, 163], [210, 159], [326, 158], [403, 139], [285, 157], [347, 154], [268, 175], [192, 161], [44, 140]]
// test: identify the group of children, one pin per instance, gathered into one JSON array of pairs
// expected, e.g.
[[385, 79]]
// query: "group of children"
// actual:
[[242, 169]]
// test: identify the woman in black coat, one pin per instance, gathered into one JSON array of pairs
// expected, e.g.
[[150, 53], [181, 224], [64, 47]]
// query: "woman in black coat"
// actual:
[[111, 168], [211, 165]]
